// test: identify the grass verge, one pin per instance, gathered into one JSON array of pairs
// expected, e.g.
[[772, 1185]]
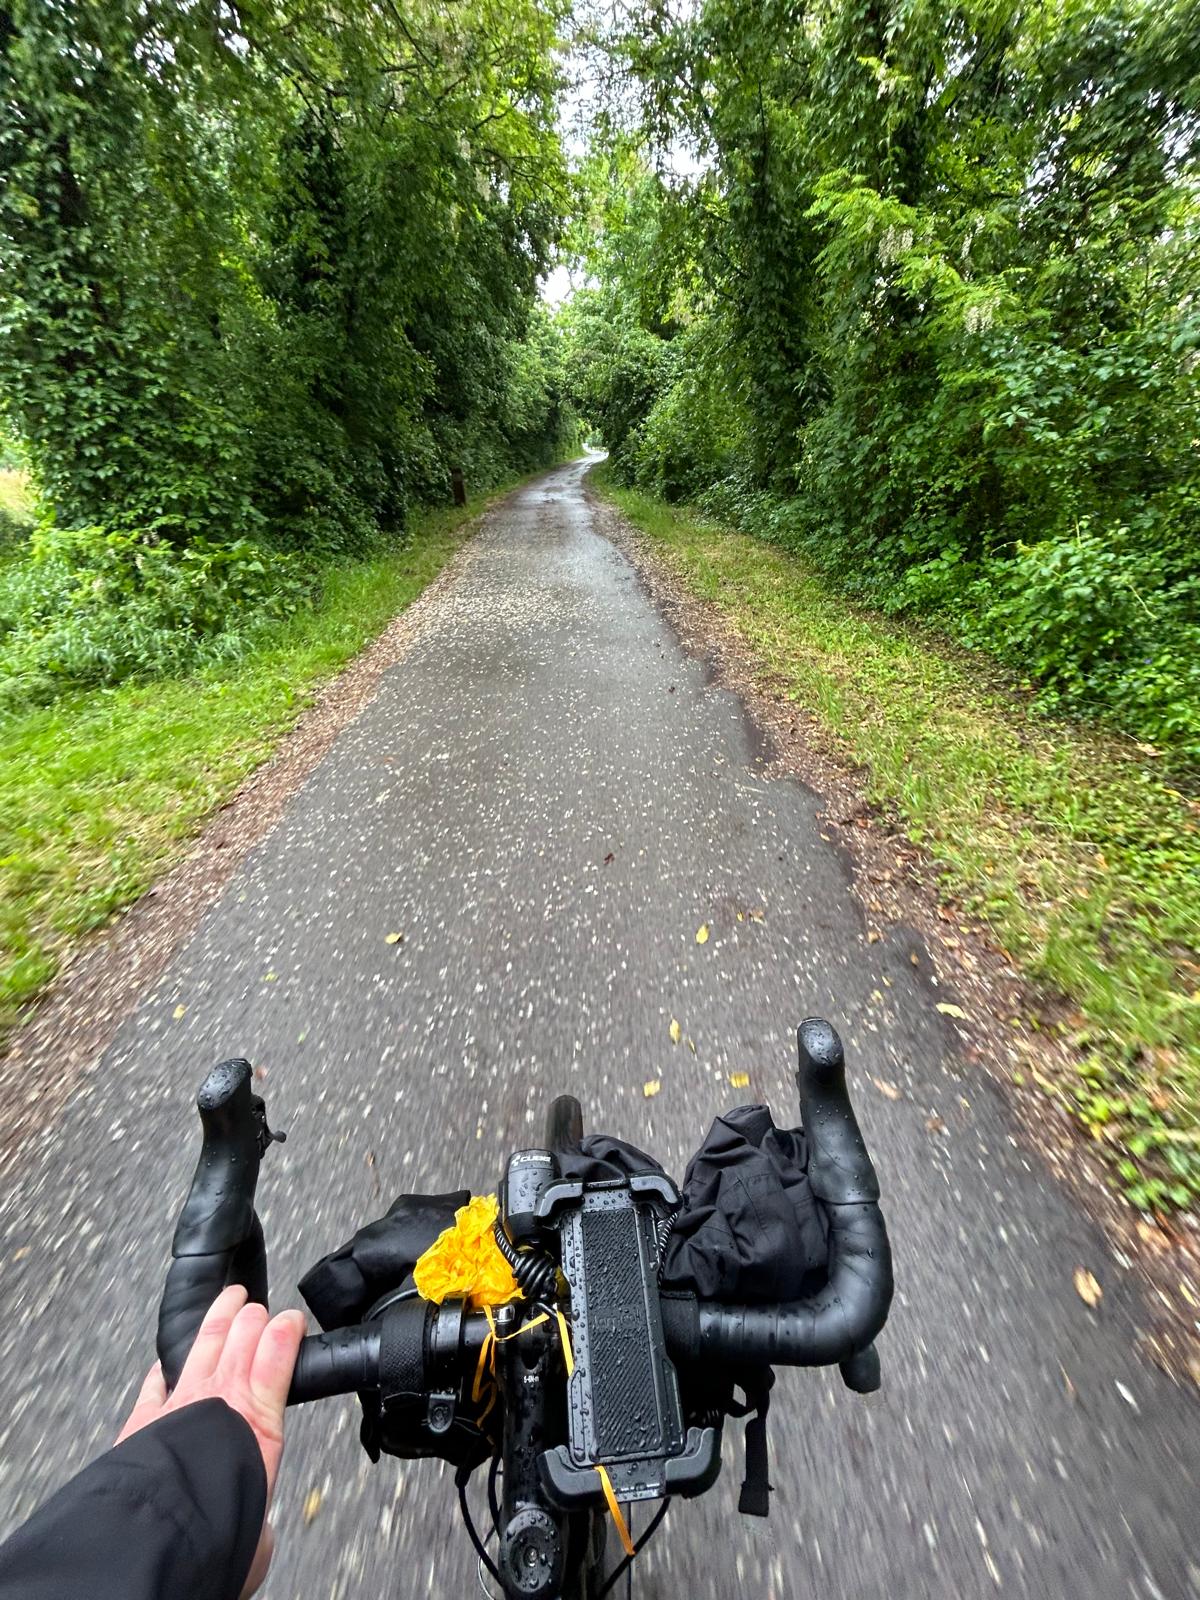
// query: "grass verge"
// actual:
[[1077, 852], [98, 789]]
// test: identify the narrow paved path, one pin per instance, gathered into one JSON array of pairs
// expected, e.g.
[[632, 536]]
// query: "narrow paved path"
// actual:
[[547, 798]]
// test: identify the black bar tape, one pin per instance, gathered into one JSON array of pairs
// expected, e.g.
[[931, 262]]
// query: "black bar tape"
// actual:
[[342, 1361]]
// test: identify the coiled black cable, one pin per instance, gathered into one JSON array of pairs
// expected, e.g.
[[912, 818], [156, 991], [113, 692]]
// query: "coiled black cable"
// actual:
[[533, 1271]]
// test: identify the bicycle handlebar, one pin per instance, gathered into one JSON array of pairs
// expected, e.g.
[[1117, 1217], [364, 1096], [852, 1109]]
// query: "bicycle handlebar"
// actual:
[[218, 1240]]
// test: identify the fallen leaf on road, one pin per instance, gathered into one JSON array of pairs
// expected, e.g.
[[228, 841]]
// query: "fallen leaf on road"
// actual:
[[394, 938], [651, 1089], [934, 1125], [702, 933], [692, 1046], [312, 1504], [270, 977], [888, 1090], [1086, 1287], [609, 859], [300, 1037], [178, 1012], [675, 1031], [948, 1010], [739, 1080], [873, 936], [19, 1255]]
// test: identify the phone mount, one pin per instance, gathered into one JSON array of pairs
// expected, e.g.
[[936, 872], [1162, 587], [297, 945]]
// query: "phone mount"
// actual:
[[623, 1405]]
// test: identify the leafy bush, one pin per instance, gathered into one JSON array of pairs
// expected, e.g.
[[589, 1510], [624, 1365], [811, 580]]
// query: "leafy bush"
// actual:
[[87, 607]]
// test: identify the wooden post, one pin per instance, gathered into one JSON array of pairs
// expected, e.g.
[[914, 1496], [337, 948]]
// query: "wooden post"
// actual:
[[458, 486]]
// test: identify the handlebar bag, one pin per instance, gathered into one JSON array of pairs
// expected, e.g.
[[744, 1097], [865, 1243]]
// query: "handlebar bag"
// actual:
[[749, 1231], [342, 1287]]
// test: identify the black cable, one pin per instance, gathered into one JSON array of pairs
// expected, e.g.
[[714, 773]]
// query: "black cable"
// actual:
[[620, 1571], [461, 1485], [533, 1269], [493, 1497]]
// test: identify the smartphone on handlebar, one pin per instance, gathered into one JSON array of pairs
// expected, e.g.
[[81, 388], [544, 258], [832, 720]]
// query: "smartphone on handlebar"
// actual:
[[591, 1389]]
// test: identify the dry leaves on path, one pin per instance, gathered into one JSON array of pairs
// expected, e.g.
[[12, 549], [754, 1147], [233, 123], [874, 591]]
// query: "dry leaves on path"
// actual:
[[1087, 1288]]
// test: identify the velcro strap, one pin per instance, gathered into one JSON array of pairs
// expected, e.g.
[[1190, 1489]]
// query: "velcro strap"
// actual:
[[402, 1349]]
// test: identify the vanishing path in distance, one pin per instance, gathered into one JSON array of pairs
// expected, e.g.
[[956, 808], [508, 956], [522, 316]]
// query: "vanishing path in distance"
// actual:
[[547, 797]]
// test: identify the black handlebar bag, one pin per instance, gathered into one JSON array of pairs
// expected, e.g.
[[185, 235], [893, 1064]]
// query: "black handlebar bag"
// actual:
[[341, 1290], [379, 1261], [749, 1231]]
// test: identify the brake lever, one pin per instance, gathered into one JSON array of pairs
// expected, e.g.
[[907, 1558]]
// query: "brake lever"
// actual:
[[218, 1238]]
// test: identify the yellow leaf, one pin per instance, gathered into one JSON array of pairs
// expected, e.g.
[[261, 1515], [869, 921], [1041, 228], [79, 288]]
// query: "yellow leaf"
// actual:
[[270, 977], [651, 1089], [1086, 1287], [178, 1012], [702, 933], [675, 1031], [312, 1504], [739, 1080], [952, 1011], [393, 938]]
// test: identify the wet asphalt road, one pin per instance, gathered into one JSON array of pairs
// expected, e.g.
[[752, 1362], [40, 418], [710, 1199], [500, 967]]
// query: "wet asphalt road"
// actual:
[[544, 721]]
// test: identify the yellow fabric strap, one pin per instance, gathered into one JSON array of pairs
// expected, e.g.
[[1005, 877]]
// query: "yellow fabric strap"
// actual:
[[485, 1367], [564, 1335], [503, 1338], [614, 1506], [486, 1359]]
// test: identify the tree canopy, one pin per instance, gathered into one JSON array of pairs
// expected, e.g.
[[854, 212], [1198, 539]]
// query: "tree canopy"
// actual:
[[925, 305], [267, 272]]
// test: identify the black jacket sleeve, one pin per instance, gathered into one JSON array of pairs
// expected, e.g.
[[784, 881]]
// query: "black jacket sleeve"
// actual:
[[173, 1513]]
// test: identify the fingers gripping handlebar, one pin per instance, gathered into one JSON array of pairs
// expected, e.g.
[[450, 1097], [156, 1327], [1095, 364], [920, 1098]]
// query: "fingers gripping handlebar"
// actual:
[[218, 1241]]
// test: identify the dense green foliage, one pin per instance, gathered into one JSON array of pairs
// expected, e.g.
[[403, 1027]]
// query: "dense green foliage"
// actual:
[[927, 309], [267, 272]]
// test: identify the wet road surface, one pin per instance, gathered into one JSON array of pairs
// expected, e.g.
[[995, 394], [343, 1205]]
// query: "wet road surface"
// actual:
[[548, 798]]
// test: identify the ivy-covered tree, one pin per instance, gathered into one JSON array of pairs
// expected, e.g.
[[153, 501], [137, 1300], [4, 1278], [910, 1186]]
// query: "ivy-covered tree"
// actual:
[[938, 320], [267, 269]]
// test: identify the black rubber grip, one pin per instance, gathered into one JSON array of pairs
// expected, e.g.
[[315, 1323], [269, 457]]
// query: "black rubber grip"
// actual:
[[340, 1362], [839, 1323], [218, 1239]]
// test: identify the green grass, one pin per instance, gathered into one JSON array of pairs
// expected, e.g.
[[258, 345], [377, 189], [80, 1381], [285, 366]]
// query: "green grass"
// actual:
[[98, 790], [1078, 853]]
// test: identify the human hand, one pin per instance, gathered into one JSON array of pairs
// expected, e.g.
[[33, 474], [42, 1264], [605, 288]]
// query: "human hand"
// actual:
[[243, 1356]]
